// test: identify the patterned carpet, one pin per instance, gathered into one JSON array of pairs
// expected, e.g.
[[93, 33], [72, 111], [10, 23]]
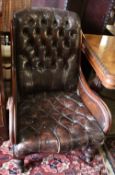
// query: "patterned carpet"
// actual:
[[55, 164]]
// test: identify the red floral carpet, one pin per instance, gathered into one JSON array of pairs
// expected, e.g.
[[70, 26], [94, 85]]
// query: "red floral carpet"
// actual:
[[53, 164]]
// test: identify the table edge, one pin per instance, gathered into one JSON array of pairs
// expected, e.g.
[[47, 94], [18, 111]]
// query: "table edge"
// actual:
[[97, 65]]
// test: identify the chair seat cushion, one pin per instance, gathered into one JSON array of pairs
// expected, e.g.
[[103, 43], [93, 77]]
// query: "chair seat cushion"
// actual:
[[55, 122]]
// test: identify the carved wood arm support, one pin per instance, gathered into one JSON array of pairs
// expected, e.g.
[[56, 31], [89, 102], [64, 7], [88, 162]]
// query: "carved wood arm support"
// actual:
[[95, 104]]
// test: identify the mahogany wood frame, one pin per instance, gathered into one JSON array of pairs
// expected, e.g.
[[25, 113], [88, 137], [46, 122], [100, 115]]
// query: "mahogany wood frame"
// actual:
[[95, 104]]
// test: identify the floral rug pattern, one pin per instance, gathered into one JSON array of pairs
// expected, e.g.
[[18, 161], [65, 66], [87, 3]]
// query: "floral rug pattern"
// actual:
[[53, 164]]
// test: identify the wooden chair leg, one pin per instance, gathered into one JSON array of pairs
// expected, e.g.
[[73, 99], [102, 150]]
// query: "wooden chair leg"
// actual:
[[88, 154], [20, 164]]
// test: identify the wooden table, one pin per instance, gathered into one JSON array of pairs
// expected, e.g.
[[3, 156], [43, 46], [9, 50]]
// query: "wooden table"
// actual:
[[100, 51]]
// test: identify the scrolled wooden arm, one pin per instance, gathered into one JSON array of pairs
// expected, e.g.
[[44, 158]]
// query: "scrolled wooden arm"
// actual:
[[95, 104]]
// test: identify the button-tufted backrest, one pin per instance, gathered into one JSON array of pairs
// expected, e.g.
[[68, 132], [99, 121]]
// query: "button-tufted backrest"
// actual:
[[46, 49]]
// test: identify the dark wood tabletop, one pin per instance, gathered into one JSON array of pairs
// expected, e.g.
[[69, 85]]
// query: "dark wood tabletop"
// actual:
[[100, 51]]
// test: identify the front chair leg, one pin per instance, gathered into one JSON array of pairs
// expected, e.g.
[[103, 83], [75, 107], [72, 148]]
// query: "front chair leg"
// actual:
[[88, 154], [20, 164]]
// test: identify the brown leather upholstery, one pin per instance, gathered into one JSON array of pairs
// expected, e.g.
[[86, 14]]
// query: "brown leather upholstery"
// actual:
[[47, 46], [47, 115], [55, 122]]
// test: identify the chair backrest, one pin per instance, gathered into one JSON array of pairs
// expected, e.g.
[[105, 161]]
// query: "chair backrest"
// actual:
[[46, 49]]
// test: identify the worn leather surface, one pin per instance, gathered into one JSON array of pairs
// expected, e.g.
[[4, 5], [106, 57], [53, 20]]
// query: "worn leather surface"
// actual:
[[55, 122], [47, 47], [50, 115]]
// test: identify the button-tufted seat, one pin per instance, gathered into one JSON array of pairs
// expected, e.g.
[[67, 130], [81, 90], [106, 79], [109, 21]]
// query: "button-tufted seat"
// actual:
[[55, 122], [52, 108]]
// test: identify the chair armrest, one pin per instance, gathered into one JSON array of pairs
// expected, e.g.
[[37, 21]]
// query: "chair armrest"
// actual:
[[95, 104], [12, 120]]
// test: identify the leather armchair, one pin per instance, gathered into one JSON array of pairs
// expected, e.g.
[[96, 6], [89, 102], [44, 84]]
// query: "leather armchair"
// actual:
[[52, 108]]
